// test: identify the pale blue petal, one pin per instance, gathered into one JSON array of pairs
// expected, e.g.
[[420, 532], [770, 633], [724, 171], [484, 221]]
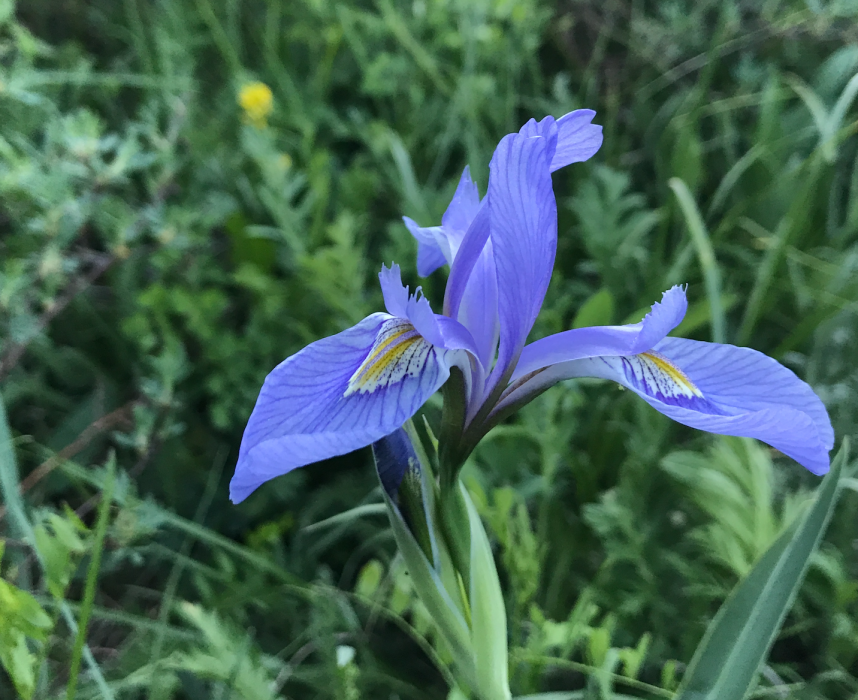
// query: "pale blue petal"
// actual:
[[432, 248], [394, 292], [631, 339], [472, 296], [663, 318], [466, 258], [439, 244], [577, 139], [307, 410], [742, 379], [455, 336], [414, 307], [733, 391], [463, 207], [479, 308], [572, 138], [545, 128], [523, 220]]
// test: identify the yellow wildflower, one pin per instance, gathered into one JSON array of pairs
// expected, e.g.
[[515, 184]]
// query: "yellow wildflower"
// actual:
[[257, 102]]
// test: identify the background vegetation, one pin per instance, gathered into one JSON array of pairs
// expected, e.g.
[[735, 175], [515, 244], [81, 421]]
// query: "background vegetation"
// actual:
[[161, 250]]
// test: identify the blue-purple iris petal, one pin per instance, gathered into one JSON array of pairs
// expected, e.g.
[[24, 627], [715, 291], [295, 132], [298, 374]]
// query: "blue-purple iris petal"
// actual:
[[455, 336], [466, 258], [741, 392], [413, 307], [305, 412], [479, 308], [545, 128], [743, 379], [437, 245], [574, 139], [663, 318], [630, 339], [394, 293], [464, 205], [430, 255], [419, 312], [523, 220], [577, 138]]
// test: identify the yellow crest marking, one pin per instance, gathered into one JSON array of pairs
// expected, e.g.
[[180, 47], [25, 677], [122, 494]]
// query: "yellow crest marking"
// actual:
[[660, 375], [399, 351]]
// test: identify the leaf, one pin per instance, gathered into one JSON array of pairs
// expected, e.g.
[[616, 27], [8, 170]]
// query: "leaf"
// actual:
[[430, 588], [347, 516], [737, 641], [488, 613], [705, 254]]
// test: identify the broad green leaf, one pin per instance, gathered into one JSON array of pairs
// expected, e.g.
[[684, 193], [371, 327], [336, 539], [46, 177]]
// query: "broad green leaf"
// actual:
[[488, 613], [738, 639]]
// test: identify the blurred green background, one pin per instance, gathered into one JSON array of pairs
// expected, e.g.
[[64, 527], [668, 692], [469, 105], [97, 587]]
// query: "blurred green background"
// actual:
[[167, 237]]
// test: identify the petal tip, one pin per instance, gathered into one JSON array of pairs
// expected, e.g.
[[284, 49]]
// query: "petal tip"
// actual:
[[238, 493], [663, 317]]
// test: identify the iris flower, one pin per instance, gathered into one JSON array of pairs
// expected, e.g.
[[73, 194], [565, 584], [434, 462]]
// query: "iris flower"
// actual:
[[354, 388]]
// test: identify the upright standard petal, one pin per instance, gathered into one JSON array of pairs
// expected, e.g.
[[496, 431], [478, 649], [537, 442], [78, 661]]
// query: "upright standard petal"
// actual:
[[577, 139], [721, 389], [478, 311], [523, 224], [464, 205], [573, 138], [440, 244], [433, 249], [336, 395]]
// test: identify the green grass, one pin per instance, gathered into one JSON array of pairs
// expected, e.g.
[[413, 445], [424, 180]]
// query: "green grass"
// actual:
[[159, 254]]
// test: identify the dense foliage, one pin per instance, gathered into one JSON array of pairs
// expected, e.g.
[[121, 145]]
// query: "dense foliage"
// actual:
[[168, 234]]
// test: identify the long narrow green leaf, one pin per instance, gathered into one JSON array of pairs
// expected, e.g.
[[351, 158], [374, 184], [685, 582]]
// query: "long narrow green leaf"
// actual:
[[488, 613], [430, 588], [705, 254], [725, 664], [91, 577], [347, 517], [788, 229]]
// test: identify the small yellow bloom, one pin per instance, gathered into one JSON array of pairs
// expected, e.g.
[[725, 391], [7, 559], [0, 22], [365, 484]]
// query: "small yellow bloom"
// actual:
[[257, 102], [122, 251]]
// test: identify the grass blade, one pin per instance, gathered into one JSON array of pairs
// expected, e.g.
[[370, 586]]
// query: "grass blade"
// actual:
[[705, 254], [737, 641], [92, 577], [18, 516]]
